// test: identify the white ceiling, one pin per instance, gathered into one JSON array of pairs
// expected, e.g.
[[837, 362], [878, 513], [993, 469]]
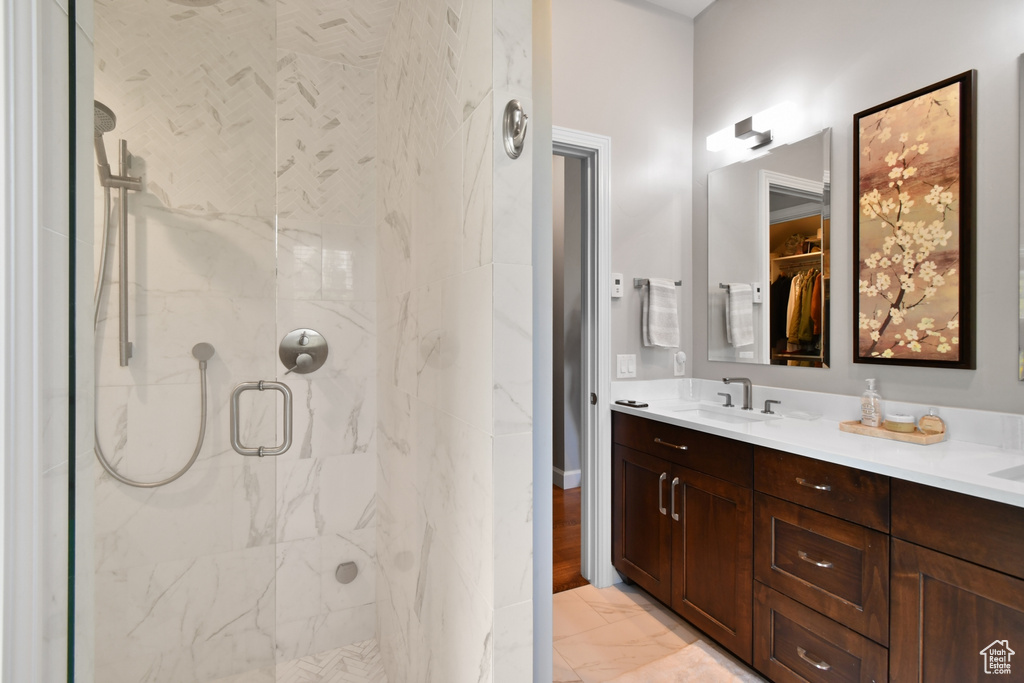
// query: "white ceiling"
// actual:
[[690, 8]]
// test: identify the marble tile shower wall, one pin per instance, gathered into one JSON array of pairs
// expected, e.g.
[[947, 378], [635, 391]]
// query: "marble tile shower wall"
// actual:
[[326, 166], [239, 115], [454, 316]]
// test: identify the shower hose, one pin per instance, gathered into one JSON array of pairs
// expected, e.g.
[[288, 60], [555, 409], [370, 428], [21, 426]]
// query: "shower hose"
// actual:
[[202, 352]]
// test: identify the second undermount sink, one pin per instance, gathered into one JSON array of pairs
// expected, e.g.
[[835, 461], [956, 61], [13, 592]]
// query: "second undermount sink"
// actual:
[[1011, 473], [725, 415]]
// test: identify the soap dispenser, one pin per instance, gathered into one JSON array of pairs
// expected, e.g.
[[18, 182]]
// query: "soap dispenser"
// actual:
[[871, 406]]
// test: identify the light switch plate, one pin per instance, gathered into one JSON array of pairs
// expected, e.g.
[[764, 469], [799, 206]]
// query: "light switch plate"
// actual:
[[625, 365]]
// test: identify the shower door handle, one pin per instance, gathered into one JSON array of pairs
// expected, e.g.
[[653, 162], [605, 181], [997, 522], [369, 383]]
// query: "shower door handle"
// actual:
[[260, 451]]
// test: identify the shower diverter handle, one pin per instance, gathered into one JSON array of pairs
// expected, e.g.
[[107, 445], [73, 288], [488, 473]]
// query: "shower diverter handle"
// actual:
[[260, 451], [303, 363]]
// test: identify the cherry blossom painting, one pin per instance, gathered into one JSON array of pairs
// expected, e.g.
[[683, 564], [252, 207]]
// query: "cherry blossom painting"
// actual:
[[914, 227]]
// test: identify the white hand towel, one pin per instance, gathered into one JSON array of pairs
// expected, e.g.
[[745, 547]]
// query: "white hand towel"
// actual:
[[739, 314], [660, 324]]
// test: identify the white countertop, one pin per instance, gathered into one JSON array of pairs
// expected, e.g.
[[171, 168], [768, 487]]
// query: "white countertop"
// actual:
[[960, 466]]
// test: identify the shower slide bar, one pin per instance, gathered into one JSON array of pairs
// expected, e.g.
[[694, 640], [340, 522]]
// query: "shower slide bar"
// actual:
[[261, 385]]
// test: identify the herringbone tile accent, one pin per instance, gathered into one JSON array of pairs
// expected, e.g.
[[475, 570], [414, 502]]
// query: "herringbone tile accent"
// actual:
[[422, 73], [356, 663], [351, 32], [193, 93], [326, 140]]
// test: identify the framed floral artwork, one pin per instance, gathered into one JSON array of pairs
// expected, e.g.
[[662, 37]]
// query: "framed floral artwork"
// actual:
[[913, 228]]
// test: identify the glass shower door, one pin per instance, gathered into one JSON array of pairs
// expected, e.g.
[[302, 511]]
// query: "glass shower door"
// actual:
[[184, 573]]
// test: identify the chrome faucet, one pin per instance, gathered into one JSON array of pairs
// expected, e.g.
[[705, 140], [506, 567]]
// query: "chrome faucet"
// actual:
[[748, 390]]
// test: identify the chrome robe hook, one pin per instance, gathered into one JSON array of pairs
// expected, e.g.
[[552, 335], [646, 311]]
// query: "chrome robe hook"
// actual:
[[514, 128]]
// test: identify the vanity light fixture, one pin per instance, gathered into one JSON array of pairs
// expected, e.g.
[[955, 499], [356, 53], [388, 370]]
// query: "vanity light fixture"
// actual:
[[756, 131], [744, 130]]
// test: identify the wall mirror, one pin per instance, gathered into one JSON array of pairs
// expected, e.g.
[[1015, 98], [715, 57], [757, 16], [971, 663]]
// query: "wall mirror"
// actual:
[[768, 230]]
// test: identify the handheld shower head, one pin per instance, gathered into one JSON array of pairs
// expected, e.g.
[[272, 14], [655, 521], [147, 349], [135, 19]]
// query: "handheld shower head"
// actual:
[[103, 118], [104, 121]]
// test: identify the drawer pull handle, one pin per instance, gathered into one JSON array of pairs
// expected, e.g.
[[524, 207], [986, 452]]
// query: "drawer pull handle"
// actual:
[[661, 493], [817, 664], [824, 564], [672, 499], [819, 487], [670, 445]]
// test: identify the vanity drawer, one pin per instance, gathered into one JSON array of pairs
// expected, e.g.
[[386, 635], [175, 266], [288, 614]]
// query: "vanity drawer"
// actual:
[[794, 643], [861, 497], [707, 453], [982, 531], [835, 567]]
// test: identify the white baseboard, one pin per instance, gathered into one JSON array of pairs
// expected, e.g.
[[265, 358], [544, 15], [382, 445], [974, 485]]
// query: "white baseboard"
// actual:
[[567, 480]]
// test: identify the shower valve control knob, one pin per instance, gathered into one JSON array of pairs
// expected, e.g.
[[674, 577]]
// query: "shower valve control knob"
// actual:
[[303, 351]]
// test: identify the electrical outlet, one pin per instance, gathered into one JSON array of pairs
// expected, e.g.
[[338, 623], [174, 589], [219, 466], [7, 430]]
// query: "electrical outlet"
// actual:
[[679, 364], [625, 365]]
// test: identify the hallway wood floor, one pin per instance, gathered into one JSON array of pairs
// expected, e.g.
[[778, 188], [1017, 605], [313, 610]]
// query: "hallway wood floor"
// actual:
[[566, 519]]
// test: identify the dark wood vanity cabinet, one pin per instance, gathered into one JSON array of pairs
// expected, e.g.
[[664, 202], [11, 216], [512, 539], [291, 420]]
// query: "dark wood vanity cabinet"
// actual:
[[682, 521], [793, 643], [711, 559], [812, 571], [821, 564], [957, 611], [835, 567], [640, 484]]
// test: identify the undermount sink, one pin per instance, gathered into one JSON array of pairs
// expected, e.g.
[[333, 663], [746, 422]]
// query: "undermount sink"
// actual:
[[726, 415], [1011, 473]]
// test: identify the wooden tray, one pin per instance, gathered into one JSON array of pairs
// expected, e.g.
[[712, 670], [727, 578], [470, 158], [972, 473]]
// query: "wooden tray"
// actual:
[[855, 427]]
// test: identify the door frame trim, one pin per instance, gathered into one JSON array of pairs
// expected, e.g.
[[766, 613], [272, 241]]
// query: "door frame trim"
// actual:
[[595, 460]]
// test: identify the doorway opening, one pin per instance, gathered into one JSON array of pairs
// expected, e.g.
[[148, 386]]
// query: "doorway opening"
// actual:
[[570, 208], [581, 383]]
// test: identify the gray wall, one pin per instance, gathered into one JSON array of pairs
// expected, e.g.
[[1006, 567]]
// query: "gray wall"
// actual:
[[744, 63], [624, 69]]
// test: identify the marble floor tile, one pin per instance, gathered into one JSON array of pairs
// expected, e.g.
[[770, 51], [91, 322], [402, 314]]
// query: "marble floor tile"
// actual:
[[563, 673], [617, 602], [608, 651], [572, 615], [600, 634]]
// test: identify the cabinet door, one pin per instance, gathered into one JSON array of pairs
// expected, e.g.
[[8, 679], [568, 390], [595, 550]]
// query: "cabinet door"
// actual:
[[641, 540], [952, 620], [712, 547]]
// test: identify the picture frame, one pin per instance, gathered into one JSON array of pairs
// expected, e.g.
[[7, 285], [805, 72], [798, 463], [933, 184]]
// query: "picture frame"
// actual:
[[914, 176]]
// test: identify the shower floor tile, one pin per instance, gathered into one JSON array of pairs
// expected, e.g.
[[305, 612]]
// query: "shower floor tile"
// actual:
[[356, 663]]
